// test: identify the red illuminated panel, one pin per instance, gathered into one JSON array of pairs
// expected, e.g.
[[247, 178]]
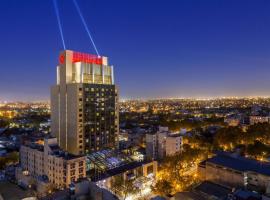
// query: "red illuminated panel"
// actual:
[[62, 59], [87, 58]]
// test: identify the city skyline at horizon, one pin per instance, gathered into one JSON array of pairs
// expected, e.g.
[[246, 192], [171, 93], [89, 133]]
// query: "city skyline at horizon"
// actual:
[[122, 100], [191, 50]]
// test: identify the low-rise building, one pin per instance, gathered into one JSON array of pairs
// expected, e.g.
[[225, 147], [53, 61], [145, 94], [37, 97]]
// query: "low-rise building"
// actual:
[[143, 175], [232, 171], [204, 191], [232, 120], [258, 119], [107, 166], [82, 190], [48, 161]]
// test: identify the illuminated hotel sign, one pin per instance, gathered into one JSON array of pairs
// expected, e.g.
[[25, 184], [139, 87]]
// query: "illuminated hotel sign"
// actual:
[[62, 59], [87, 58], [82, 57]]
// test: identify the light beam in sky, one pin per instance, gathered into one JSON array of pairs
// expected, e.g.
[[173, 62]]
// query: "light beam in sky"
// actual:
[[85, 25], [59, 22]]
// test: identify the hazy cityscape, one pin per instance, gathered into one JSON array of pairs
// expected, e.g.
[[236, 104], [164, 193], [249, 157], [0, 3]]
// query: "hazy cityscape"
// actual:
[[88, 141], [180, 148]]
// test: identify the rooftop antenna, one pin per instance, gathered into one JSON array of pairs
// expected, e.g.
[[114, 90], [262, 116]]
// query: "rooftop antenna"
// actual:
[[59, 23], [85, 25]]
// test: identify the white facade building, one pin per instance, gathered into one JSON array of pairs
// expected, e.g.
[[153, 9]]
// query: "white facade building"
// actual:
[[259, 119], [173, 145], [163, 143]]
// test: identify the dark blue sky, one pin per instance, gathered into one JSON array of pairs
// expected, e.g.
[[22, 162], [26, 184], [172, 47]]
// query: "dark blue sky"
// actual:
[[160, 48]]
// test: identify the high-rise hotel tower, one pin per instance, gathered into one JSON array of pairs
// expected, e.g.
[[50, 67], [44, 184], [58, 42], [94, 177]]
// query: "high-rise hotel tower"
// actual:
[[84, 103]]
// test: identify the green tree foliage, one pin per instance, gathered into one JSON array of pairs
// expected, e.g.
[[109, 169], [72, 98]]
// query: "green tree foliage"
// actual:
[[123, 187], [228, 138], [255, 141], [258, 150], [12, 158], [260, 131], [179, 169], [163, 187], [116, 183], [233, 136], [4, 123], [190, 124]]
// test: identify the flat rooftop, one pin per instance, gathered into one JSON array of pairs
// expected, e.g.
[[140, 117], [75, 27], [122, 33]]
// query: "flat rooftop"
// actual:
[[212, 189], [109, 163], [241, 164], [206, 190], [108, 159], [118, 170], [56, 151]]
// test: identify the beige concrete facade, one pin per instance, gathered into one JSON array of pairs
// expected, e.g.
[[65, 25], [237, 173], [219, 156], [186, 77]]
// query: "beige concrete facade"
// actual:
[[258, 119], [233, 177], [173, 145], [60, 167], [84, 104], [224, 176]]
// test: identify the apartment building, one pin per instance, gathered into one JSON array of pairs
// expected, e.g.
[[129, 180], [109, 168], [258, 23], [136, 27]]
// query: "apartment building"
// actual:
[[163, 143], [255, 119], [49, 162]]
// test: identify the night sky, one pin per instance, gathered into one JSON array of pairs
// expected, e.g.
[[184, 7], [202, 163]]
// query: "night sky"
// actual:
[[159, 48]]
